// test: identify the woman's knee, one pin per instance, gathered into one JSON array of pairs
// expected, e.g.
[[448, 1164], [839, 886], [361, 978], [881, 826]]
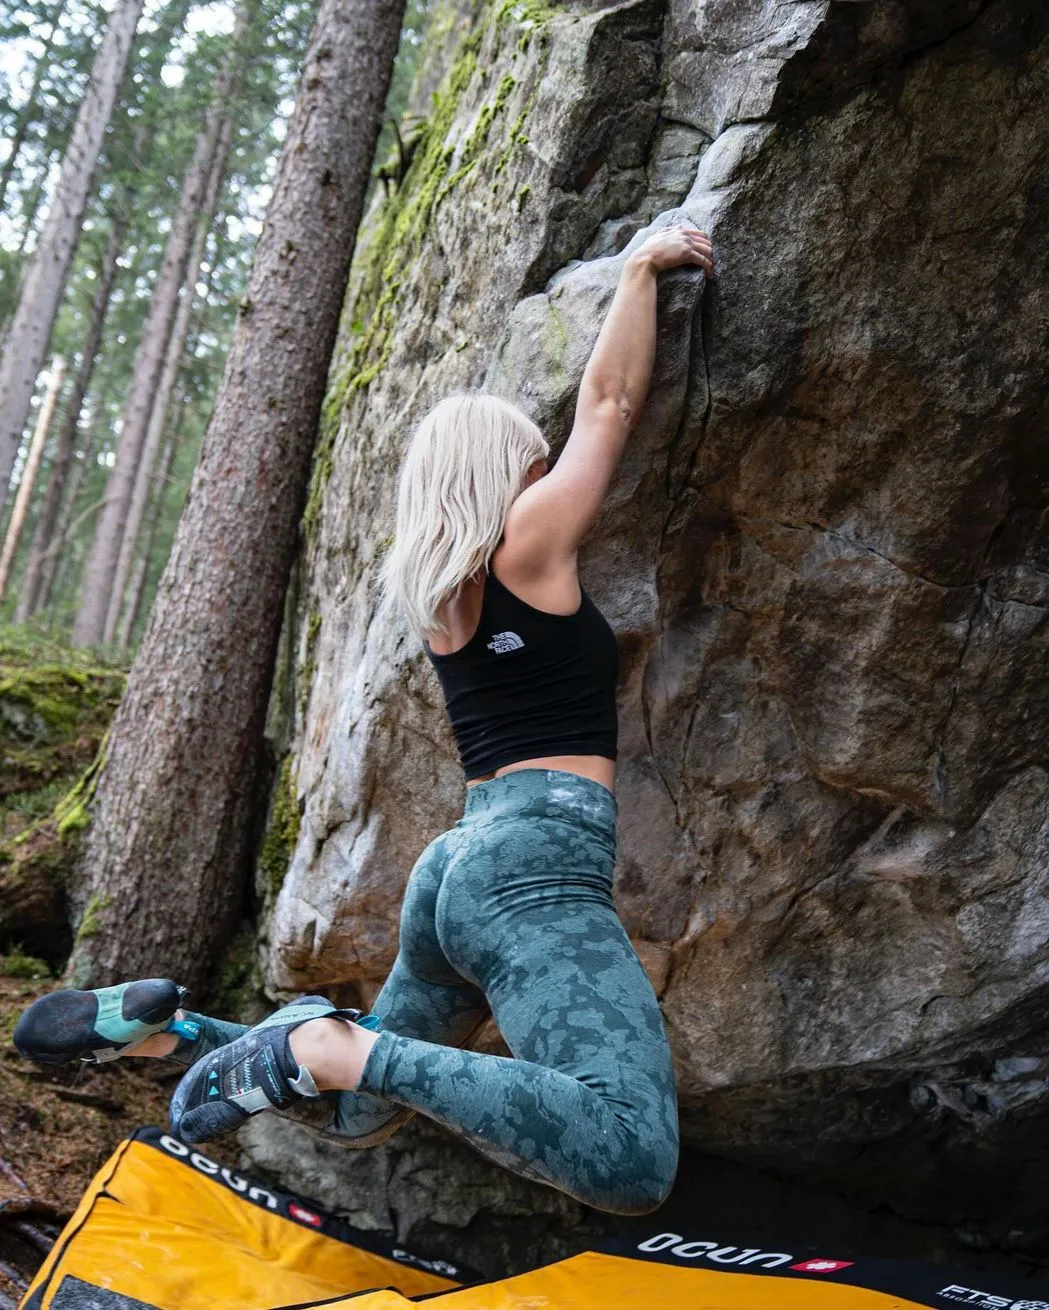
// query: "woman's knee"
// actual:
[[634, 1180], [360, 1120]]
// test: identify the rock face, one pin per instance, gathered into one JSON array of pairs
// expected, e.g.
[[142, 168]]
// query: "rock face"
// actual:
[[826, 555]]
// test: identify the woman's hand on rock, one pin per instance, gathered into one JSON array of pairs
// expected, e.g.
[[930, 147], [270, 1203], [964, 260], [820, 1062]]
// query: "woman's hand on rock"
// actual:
[[672, 247]]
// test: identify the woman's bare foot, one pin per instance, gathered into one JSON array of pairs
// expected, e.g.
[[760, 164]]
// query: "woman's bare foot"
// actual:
[[335, 1052], [158, 1045]]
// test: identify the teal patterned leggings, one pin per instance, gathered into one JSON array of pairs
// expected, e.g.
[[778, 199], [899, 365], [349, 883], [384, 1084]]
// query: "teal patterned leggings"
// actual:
[[510, 913]]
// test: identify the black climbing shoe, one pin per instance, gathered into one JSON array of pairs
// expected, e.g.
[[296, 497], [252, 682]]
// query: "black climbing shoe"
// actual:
[[256, 1072], [96, 1026]]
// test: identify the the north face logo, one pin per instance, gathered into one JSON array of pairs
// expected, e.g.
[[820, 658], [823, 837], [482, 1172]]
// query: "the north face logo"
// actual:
[[504, 642]]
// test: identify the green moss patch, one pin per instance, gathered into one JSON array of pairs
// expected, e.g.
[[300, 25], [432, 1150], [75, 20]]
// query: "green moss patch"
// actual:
[[52, 717], [15, 963], [282, 832], [236, 980], [56, 705]]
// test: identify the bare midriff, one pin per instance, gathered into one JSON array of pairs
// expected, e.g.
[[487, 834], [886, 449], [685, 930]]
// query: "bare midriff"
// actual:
[[596, 767]]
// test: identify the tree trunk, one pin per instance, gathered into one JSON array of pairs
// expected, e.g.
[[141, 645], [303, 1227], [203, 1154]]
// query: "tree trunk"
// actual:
[[28, 111], [167, 851], [13, 285], [173, 357], [29, 591], [32, 466], [32, 209], [137, 589], [99, 574], [159, 487], [55, 560], [30, 331]]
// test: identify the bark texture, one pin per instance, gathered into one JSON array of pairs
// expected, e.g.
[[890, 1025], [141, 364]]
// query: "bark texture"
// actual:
[[30, 330], [100, 573], [826, 554], [167, 850]]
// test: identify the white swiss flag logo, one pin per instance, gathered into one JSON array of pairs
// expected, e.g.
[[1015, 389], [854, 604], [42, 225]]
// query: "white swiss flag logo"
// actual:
[[821, 1266]]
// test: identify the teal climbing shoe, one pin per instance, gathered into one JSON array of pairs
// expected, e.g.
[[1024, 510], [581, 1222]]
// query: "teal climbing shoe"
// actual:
[[99, 1025]]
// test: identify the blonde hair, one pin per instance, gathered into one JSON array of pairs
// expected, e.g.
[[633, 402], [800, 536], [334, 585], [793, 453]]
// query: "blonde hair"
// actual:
[[464, 467]]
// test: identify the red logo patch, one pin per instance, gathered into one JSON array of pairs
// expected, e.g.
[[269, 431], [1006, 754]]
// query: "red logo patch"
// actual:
[[303, 1215], [819, 1266]]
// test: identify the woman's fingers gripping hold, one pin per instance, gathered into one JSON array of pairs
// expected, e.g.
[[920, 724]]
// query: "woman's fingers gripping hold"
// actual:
[[677, 245]]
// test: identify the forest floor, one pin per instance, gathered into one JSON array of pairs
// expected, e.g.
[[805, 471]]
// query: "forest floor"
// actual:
[[57, 1128], [58, 1125]]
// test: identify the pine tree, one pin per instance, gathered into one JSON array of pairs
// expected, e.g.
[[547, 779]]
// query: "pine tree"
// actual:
[[91, 621], [30, 332], [31, 108], [32, 465], [126, 165], [169, 371], [29, 590]]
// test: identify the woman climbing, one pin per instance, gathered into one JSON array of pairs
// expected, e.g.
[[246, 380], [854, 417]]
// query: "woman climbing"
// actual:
[[510, 912]]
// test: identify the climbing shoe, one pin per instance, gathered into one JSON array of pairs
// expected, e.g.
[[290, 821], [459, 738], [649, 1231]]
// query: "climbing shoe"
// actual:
[[256, 1072], [96, 1026]]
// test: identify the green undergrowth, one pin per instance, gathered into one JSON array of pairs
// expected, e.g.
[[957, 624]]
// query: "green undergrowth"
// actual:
[[308, 666], [56, 705], [397, 235], [15, 963]]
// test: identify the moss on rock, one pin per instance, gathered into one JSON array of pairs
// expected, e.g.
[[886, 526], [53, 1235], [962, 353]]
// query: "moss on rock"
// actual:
[[56, 705], [282, 832], [51, 716], [394, 240], [89, 925]]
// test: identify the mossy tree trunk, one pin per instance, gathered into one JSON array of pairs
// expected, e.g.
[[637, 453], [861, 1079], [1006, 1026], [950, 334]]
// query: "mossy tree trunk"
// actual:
[[168, 848]]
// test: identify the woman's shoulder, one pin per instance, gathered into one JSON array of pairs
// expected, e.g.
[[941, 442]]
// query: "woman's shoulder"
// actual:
[[553, 589]]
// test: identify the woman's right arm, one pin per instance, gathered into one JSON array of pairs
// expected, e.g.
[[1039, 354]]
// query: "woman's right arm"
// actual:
[[550, 518]]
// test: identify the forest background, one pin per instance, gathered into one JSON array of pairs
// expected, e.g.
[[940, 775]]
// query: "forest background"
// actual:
[[46, 52]]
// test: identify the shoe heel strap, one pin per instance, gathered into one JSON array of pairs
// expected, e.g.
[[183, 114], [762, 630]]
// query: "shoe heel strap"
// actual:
[[188, 1029]]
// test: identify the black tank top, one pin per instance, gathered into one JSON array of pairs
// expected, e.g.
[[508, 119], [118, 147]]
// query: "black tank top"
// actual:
[[529, 683]]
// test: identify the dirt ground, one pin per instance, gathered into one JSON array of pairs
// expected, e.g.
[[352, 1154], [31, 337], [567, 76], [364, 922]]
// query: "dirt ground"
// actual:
[[58, 1125]]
